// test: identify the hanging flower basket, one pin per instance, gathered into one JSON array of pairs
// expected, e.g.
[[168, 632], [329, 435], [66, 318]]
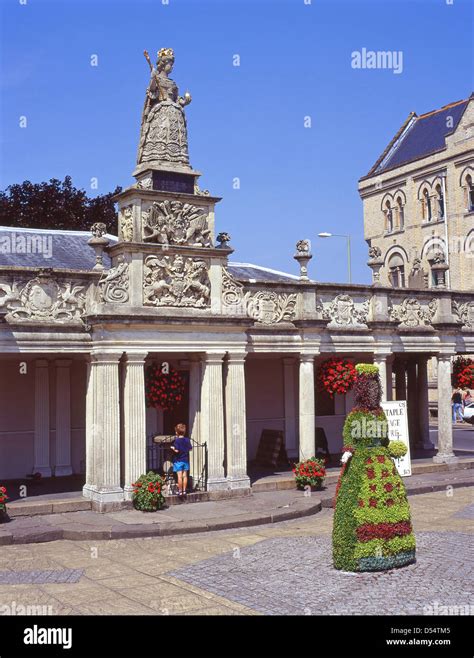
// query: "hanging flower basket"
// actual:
[[336, 376], [460, 365], [163, 389], [3, 507], [466, 377]]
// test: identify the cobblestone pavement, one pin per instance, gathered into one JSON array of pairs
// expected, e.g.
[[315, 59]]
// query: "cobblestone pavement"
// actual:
[[281, 568]]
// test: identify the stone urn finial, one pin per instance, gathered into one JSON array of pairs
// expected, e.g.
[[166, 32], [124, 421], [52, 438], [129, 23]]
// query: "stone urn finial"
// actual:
[[375, 263], [303, 256], [439, 267], [223, 239], [98, 243]]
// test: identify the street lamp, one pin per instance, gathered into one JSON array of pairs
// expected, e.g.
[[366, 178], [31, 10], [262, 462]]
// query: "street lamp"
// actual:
[[348, 238]]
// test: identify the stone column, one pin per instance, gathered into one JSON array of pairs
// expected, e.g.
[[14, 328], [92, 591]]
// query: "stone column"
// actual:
[[423, 403], [389, 367], [412, 404], [103, 432], [63, 418], [134, 419], [236, 422], [400, 380], [290, 407], [41, 438], [380, 360], [306, 407], [445, 424], [212, 420], [196, 461]]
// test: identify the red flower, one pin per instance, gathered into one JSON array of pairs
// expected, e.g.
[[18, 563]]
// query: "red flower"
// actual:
[[389, 502], [380, 458], [373, 502], [370, 473], [369, 460], [388, 487], [360, 502], [385, 473], [373, 487]]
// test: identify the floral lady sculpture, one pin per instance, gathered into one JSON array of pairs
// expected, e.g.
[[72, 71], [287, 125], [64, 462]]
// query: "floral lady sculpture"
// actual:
[[372, 527], [163, 136]]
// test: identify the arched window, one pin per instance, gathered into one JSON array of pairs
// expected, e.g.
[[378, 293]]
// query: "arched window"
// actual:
[[427, 215], [470, 193], [401, 213], [396, 268], [440, 201], [388, 218]]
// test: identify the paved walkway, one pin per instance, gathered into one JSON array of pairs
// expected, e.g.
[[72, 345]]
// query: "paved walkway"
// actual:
[[256, 509], [274, 569]]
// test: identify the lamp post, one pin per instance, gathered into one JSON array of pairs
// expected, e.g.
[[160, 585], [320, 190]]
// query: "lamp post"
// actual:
[[348, 238]]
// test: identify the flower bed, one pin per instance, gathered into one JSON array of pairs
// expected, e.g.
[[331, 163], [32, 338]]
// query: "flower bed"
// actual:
[[147, 493], [311, 473]]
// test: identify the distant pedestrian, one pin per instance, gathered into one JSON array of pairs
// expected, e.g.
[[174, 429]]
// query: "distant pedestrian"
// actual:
[[456, 403], [182, 446], [467, 397]]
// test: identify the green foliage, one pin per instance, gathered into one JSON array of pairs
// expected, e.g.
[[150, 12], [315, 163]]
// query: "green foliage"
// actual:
[[147, 494], [397, 449], [56, 205], [367, 369], [385, 546]]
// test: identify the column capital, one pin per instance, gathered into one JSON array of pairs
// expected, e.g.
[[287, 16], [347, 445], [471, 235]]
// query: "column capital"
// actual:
[[105, 357], [381, 356], [236, 357], [41, 363], [307, 358], [213, 358], [444, 357], [135, 357], [63, 363]]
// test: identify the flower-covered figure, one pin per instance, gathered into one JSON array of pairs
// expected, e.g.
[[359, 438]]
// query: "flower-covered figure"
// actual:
[[372, 526]]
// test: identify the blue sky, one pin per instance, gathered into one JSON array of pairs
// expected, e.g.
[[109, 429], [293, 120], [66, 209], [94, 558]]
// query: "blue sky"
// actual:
[[246, 121]]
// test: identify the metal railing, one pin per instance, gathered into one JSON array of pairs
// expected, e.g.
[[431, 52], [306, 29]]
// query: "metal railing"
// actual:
[[160, 460]]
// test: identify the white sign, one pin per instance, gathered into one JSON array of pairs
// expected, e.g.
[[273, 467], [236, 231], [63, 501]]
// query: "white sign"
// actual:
[[397, 417]]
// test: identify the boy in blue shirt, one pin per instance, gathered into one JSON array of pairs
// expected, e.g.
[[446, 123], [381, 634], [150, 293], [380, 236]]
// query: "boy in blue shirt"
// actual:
[[181, 447]]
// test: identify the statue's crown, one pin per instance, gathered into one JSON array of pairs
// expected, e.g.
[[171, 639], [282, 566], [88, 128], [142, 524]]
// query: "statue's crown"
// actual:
[[165, 52]]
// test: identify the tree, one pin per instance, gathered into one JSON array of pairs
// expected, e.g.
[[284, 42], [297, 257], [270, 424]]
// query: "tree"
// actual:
[[56, 205]]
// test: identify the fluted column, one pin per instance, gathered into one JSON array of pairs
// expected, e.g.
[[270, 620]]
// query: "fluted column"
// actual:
[[196, 458], [423, 403], [445, 452], [42, 426], [400, 380], [412, 404], [380, 360], [63, 418], [103, 431], [306, 406], [212, 419], [134, 419], [290, 406], [236, 422]]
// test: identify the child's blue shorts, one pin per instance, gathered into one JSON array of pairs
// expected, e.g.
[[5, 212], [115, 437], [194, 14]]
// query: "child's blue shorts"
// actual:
[[180, 466]]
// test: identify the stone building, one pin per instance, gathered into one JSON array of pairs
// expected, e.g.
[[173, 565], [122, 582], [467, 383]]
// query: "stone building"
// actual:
[[419, 200], [77, 330]]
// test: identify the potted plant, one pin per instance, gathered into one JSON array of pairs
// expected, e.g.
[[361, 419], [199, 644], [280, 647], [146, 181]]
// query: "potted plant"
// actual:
[[147, 492], [310, 472], [3, 506]]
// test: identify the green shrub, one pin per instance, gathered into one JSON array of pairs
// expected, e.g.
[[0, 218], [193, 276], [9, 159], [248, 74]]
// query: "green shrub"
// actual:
[[397, 449], [309, 472]]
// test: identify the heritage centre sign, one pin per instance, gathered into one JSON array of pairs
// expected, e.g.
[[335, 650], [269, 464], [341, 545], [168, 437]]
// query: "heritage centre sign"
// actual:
[[397, 417]]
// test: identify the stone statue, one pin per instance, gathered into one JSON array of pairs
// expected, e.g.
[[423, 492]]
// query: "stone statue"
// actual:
[[416, 278], [163, 136], [374, 253]]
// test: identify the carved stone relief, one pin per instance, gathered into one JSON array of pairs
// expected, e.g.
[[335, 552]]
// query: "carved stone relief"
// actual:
[[410, 313], [264, 306], [43, 299], [114, 284], [126, 223], [342, 311], [176, 281], [173, 222], [464, 313]]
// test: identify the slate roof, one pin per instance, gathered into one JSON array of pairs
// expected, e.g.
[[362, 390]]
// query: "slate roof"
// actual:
[[420, 136], [69, 250]]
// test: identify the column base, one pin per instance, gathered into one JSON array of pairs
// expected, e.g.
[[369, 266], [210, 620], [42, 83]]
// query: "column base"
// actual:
[[128, 492], [104, 499], [238, 482], [428, 445], [217, 484], [45, 471], [446, 458], [60, 471]]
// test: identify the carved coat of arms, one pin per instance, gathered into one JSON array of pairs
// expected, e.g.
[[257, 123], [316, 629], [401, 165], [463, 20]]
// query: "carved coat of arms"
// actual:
[[173, 222], [176, 281]]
